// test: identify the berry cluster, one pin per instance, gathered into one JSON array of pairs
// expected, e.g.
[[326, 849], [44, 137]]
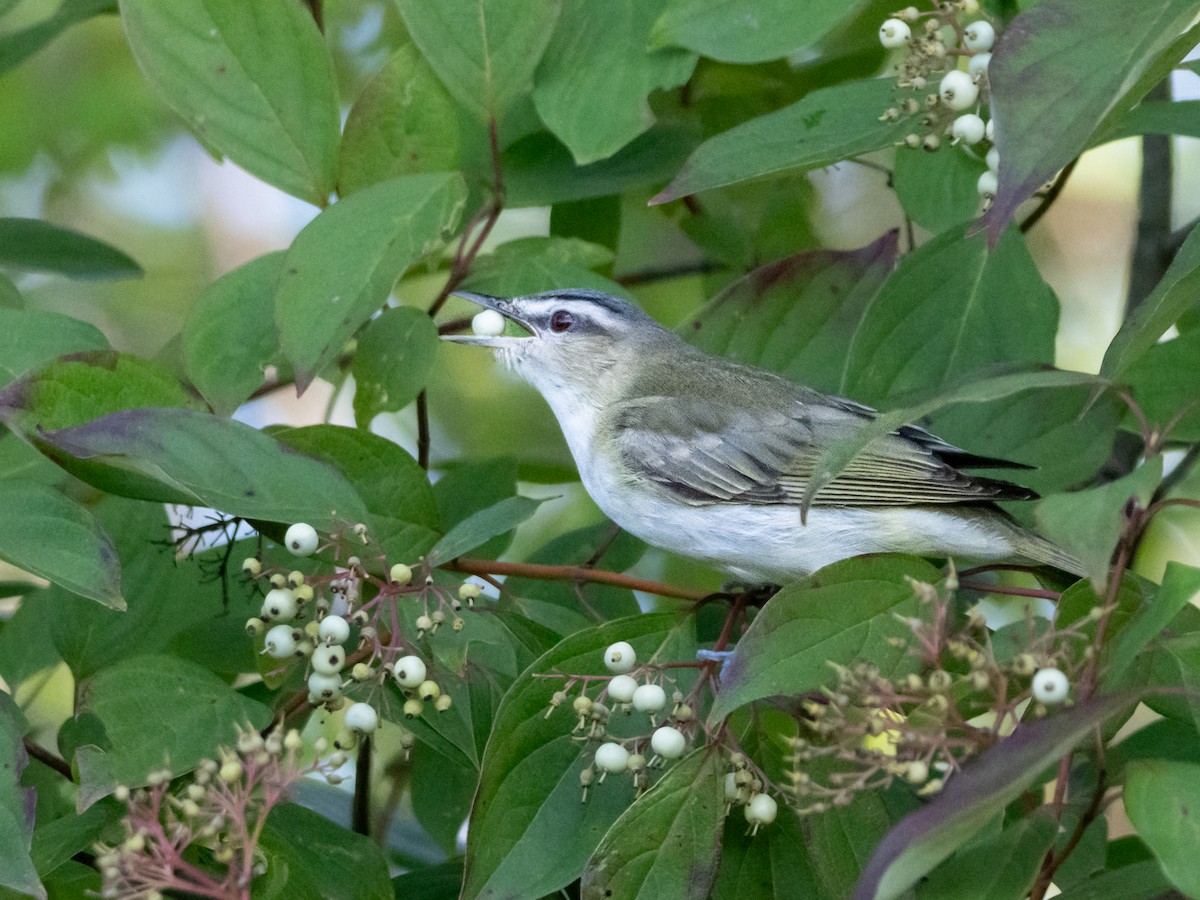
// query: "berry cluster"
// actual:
[[933, 56], [971, 689], [199, 835], [351, 620]]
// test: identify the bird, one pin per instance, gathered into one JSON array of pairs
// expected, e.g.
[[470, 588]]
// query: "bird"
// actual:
[[710, 458]]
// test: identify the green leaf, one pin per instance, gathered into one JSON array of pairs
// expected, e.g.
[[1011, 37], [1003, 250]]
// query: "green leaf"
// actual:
[[827, 126], [1175, 665], [593, 81], [69, 392], [310, 856], [37, 246], [441, 882], [202, 460], [156, 711], [403, 123], [796, 316], [773, 863], [469, 486], [1180, 587], [1165, 382], [229, 336], [1076, 59], [1137, 881], [1002, 867], [952, 308], [1087, 523], [342, 266], [484, 51], [838, 455], [529, 791], [1161, 798], [737, 33], [481, 526], [395, 353], [403, 518], [788, 647], [937, 190], [534, 264], [840, 842], [254, 81], [538, 170], [1180, 117], [17, 46], [58, 840], [1173, 296], [32, 338], [60, 541], [667, 844], [16, 804], [975, 796]]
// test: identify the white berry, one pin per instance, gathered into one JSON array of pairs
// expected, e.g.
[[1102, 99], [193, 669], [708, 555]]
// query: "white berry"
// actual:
[[761, 809], [620, 658], [328, 660], [488, 323], [302, 539], [1050, 686], [958, 90], [993, 159], [409, 671], [977, 65], [990, 131], [612, 757], [649, 698], [324, 687], [361, 717], [280, 643], [968, 128], [668, 742], [979, 36], [279, 603], [334, 630], [987, 184], [622, 688], [893, 33]]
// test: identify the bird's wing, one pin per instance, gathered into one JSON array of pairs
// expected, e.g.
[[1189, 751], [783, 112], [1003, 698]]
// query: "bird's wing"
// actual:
[[701, 451]]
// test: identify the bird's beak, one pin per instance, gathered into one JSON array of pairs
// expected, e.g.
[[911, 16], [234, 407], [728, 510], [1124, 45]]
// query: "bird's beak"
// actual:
[[516, 328]]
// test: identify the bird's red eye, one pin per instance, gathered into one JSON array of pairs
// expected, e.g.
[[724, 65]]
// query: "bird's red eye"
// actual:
[[561, 320]]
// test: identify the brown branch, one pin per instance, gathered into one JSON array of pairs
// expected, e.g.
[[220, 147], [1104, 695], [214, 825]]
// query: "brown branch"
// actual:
[[423, 441], [360, 807], [1050, 196], [46, 758], [486, 567], [1009, 590]]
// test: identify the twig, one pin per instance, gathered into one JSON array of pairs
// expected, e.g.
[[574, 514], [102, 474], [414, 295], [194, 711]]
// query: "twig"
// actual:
[[1050, 196], [572, 573], [360, 809], [46, 758]]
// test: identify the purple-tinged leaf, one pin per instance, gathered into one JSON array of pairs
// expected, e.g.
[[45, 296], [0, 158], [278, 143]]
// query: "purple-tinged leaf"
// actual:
[[970, 799], [1057, 71], [16, 805]]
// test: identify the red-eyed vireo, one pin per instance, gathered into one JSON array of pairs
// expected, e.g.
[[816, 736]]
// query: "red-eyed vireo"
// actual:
[[709, 458]]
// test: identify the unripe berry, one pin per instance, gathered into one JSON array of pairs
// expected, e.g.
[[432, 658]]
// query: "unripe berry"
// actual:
[[990, 131], [230, 771], [977, 65], [611, 757], [620, 658], [251, 566], [917, 772], [324, 687], [413, 708], [443, 703], [409, 671], [361, 717], [979, 36], [278, 580], [968, 128], [255, 626], [334, 630], [993, 159], [469, 592], [295, 579], [987, 184], [668, 742], [622, 688], [894, 33], [280, 642], [361, 672], [302, 539], [400, 574], [958, 90], [329, 659], [649, 698], [279, 603], [1050, 686], [424, 623], [429, 690]]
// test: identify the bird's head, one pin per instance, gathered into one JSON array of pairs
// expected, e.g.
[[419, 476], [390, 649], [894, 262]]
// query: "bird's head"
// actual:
[[577, 340]]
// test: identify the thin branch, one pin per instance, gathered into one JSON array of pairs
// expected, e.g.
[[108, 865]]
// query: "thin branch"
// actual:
[[423, 440], [573, 573], [1050, 196], [665, 273], [360, 808], [44, 756], [1009, 590]]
